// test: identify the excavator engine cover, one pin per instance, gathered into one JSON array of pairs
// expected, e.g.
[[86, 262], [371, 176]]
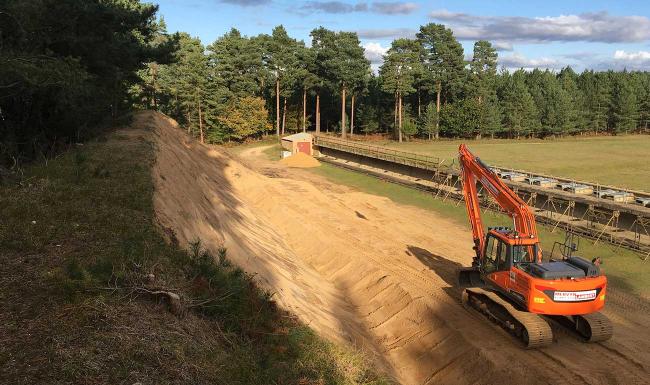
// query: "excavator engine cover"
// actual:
[[556, 270], [589, 268]]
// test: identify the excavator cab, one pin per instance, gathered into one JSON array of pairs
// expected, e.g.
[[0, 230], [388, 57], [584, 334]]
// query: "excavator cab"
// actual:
[[510, 249], [503, 250]]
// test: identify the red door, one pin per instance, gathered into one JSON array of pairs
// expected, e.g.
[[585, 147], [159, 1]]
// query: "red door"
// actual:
[[304, 147]]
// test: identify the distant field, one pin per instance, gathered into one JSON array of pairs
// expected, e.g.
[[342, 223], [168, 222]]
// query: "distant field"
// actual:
[[619, 161]]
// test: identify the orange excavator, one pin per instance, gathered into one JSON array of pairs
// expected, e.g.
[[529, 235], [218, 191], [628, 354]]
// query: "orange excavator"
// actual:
[[509, 282]]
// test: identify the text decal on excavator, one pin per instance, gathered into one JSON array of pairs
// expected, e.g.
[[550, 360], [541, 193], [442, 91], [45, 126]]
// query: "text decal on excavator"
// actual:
[[574, 296]]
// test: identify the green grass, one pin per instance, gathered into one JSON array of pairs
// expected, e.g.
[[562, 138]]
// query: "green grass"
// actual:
[[80, 253], [619, 161], [273, 152], [624, 268]]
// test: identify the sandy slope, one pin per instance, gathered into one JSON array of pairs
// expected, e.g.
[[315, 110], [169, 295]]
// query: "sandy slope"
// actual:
[[360, 268]]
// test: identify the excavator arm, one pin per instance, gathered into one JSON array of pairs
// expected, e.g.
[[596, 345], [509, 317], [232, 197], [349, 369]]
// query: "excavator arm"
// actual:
[[474, 170]]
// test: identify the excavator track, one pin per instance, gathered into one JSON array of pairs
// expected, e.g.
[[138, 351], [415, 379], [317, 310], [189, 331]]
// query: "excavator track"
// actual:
[[530, 328], [594, 327]]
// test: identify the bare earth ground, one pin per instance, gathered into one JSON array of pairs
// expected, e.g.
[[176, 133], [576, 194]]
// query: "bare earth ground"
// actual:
[[362, 269]]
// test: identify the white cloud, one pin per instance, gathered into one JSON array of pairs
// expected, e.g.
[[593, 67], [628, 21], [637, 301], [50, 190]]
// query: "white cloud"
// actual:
[[591, 27], [383, 7], [638, 61], [246, 3], [386, 33], [632, 56], [393, 7], [502, 46], [517, 60], [374, 52], [333, 7]]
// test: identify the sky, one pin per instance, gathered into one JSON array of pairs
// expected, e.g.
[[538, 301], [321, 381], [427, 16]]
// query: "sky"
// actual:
[[585, 34]]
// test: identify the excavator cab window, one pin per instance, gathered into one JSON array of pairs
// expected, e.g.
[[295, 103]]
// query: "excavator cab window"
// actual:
[[523, 253], [495, 255]]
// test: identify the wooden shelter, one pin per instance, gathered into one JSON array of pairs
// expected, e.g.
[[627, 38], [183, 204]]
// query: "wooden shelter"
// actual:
[[301, 142]]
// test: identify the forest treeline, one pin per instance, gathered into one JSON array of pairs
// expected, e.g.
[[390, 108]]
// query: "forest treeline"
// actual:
[[239, 86], [67, 65]]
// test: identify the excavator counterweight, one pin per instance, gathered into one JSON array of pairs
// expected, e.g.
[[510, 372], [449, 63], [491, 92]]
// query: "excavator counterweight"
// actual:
[[508, 281]]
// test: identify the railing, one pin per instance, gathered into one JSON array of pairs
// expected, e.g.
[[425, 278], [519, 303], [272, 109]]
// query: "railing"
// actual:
[[426, 162], [432, 163], [597, 187]]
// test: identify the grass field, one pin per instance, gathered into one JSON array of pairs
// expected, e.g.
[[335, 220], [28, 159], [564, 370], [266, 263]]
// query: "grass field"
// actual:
[[624, 269], [622, 161]]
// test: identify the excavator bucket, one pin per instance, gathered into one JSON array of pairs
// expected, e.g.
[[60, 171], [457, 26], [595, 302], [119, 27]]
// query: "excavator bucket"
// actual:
[[469, 277]]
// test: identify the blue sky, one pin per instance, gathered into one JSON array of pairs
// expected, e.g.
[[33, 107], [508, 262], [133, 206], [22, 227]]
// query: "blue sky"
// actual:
[[594, 34]]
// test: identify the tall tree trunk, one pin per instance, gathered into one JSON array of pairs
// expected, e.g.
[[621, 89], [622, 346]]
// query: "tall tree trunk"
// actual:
[[343, 133], [304, 110], [277, 107], [419, 105], [395, 134], [284, 114], [352, 117], [189, 121], [439, 90], [200, 122], [400, 116], [153, 82], [318, 113]]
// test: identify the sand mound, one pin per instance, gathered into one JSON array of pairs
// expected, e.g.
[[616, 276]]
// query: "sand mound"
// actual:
[[362, 269], [300, 160]]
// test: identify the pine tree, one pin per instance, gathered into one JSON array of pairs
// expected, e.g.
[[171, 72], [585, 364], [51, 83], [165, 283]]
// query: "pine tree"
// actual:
[[461, 119], [520, 115], [237, 61], [556, 110], [346, 67], [401, 63], [306, 77], [623, 111], [442, 60], [429, 121], [482, 86], [595, 87], [68, 65], [282, 63], [483, 70], [188, 78], [576, 111], [323, 48], [644, 102]]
